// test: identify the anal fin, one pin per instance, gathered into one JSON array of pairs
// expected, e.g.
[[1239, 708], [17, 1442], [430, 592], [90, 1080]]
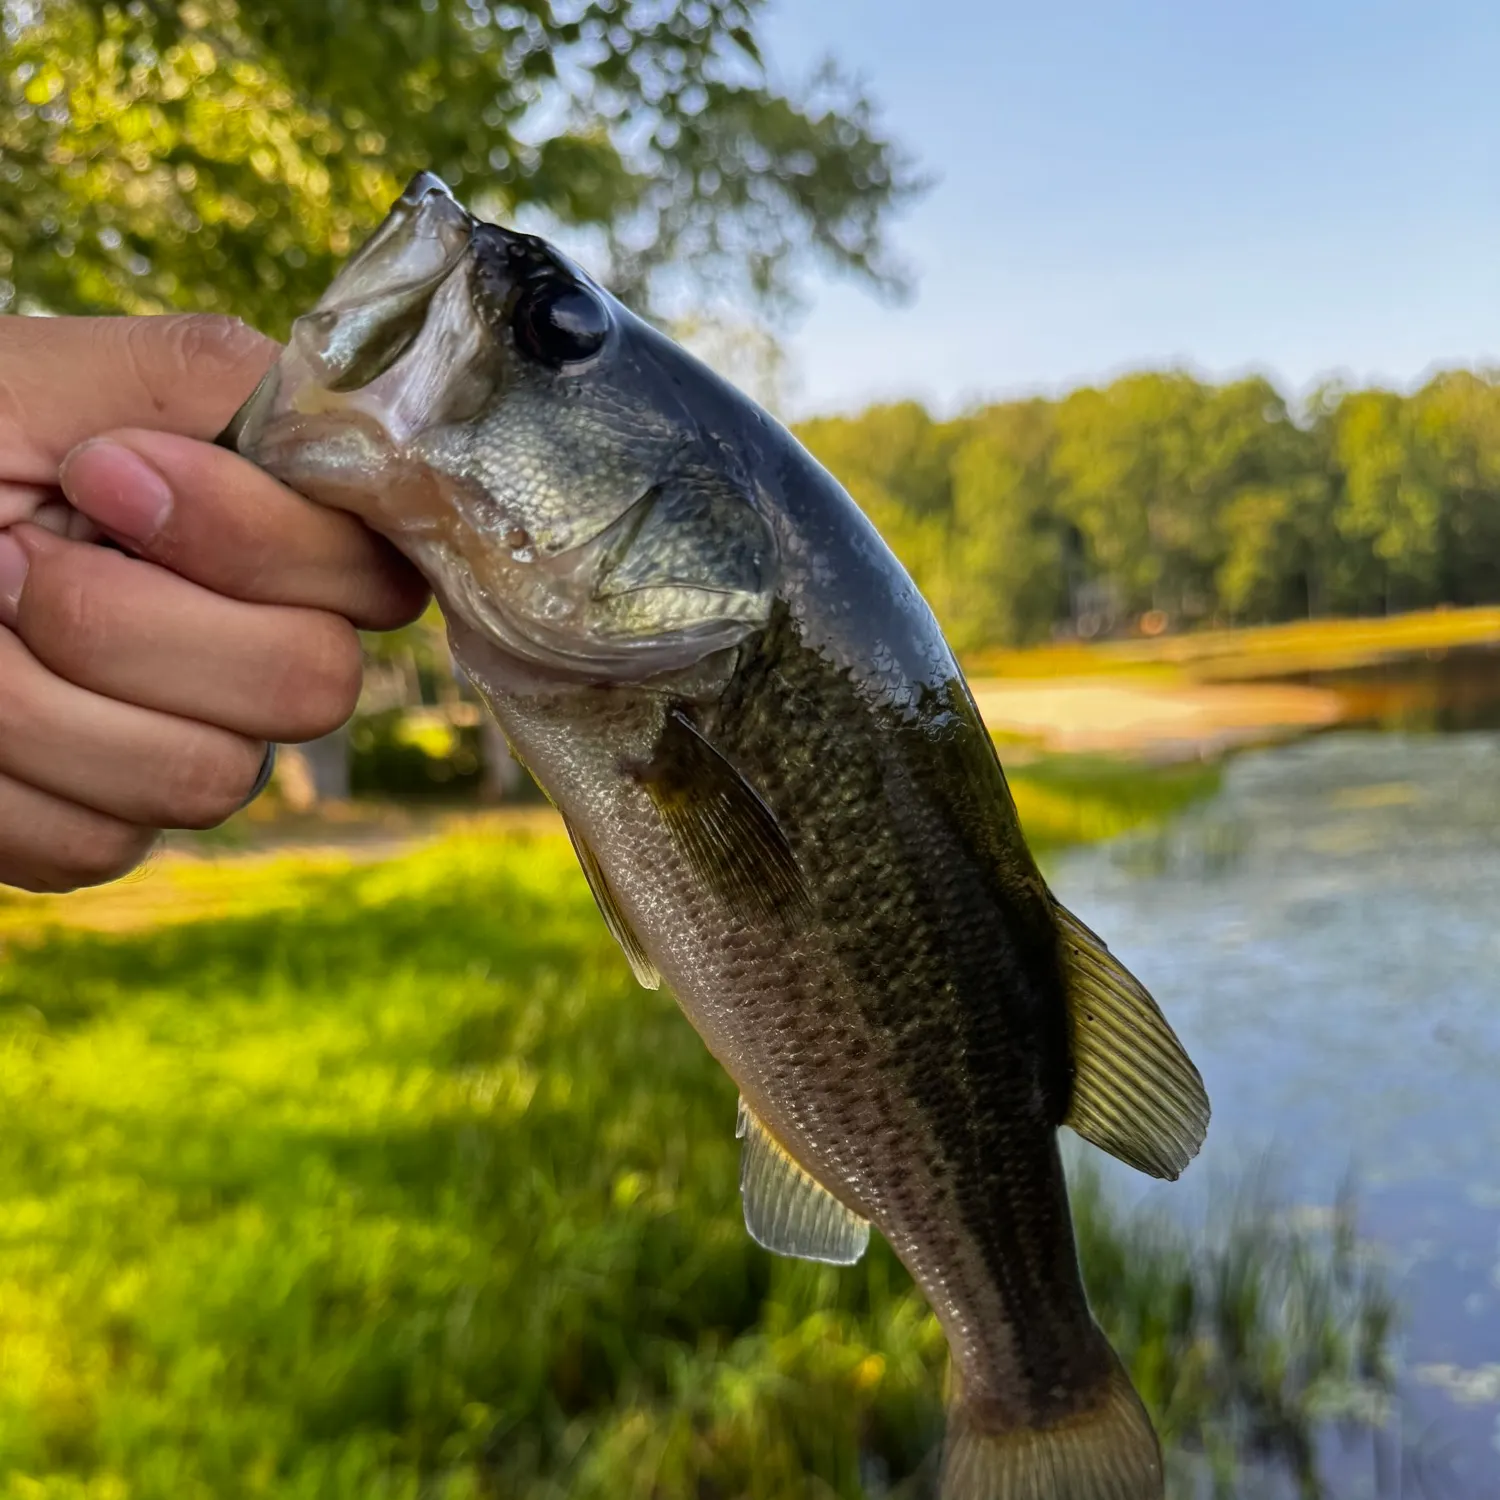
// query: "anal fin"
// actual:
[[786, 1210], [624, 934], [1136, 1094]]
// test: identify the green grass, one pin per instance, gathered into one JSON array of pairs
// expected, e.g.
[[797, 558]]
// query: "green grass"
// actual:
[[1084, 799], [385, 1180]]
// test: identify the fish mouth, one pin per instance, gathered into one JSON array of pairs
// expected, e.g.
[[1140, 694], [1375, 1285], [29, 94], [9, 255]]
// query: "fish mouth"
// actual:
[[375, 308], [405, 343], [400, 342], [354, 355]]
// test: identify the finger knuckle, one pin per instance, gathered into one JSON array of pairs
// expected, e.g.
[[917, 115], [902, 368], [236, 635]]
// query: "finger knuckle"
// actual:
[[212, 782], [320, 686], [14, 434], [218, 341], [41, 879], [111, 853], [45, 880], [402, 600], [66, 614], [19, 679], [95, 855], [164, 351]]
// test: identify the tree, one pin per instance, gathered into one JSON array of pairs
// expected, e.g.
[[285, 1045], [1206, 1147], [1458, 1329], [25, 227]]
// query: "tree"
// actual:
[[1119, 458], [1277, 547], [894, 461], [1191, 497], [1008, 532], [1390, 514], [1271, 502], [1161, 490], [211, 154], [1457, 416]]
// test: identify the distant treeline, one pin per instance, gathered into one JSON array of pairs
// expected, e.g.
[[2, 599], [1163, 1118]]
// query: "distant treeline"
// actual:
[[1208, 503]]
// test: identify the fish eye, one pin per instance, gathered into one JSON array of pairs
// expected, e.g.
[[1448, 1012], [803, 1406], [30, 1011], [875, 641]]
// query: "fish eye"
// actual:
[[560, 323]]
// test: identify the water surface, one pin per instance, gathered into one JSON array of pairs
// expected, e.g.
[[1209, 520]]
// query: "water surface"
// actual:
[[1325, 936]]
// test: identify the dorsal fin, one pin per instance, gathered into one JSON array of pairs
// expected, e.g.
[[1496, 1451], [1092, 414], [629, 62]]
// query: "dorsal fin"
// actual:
[[721, 825], [1136, 1094], [786, 1210], [624, 934]]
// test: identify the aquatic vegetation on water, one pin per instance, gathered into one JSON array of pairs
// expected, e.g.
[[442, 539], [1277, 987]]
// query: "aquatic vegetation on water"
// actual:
[[1248, 1337], [388, 1181]]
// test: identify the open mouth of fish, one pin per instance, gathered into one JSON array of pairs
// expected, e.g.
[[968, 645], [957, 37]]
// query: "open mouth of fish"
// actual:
[[384, 340], [375, 408]]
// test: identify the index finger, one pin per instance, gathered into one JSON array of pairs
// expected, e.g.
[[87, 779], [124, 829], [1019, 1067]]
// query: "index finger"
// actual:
[[212, 517], [64, 379]]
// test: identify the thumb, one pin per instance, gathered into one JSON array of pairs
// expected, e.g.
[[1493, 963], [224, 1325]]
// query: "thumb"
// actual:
[[65, 379]]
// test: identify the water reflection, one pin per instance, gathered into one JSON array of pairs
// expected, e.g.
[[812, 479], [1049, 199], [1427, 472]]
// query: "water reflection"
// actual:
[[1449, 690], [1324, 935]]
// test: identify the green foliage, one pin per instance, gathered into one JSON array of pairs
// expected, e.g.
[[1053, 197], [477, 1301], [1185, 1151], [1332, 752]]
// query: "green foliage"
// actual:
[[387, 1181], [209, 154], [393, 753], [1163, 493], [1008, 576], [896, 463]]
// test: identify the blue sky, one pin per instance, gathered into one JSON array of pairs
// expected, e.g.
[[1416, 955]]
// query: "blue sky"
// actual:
[[1300, 188]]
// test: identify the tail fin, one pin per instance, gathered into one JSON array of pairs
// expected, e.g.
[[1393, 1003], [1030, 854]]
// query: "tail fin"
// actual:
[[1108, 1452]]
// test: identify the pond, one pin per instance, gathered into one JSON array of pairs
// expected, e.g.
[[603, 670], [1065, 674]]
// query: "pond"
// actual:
[[1324, 934]]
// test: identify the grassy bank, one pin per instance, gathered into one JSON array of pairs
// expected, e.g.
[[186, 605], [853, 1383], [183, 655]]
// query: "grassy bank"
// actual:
[[242, 870], [382, 1178], [1255, 651]]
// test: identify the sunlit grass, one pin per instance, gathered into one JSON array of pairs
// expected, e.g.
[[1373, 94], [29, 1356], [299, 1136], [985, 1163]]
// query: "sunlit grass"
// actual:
[[388, 1181], [1082, 799], [1064, 799]]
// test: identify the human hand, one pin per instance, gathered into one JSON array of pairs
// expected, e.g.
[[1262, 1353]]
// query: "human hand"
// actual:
[[139, 692]]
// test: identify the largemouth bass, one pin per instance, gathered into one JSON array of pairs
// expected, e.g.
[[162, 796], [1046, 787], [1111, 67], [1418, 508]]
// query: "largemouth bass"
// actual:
[[780, 792]]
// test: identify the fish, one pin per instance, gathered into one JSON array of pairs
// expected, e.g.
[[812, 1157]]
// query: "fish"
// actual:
[[780, 792]]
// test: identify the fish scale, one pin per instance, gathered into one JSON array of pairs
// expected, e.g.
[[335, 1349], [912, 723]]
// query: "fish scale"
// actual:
[[938, 965], [780, 793]]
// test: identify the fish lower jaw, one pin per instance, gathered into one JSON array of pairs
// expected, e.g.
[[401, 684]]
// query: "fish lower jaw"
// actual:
[[341, 465]]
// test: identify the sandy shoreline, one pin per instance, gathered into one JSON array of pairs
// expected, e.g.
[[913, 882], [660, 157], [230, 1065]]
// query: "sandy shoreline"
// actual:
[[1153, 720]]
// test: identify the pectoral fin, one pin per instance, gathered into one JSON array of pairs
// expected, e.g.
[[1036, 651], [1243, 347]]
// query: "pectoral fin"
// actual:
[[1136, 1094], [614, 919], [721, 825], [786, 1210]]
